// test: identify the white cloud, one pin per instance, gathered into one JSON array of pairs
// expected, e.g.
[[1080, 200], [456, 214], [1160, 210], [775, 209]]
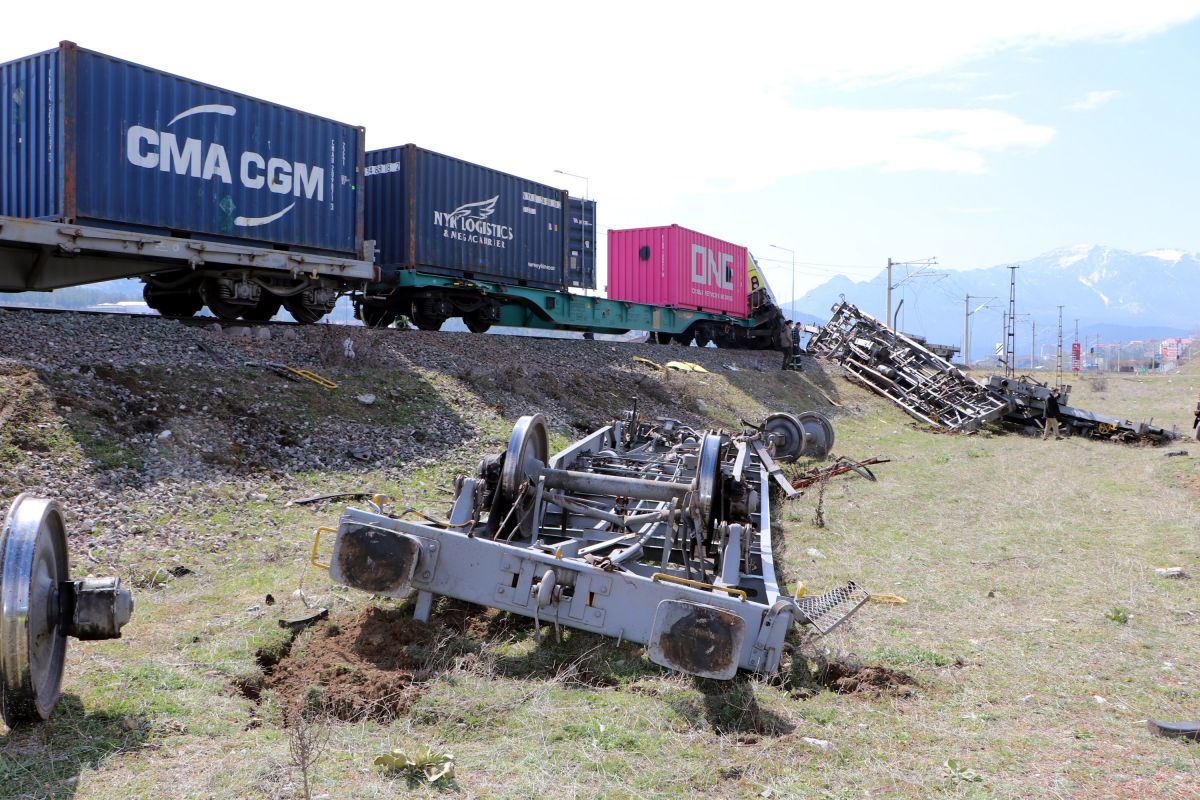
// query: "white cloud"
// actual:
[[1173, 256], [678, 97], [1094, 100]]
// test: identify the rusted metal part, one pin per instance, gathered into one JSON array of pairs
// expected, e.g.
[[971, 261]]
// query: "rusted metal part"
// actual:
[[891, 364], [297, 624], [843, 466], [375, 560], [320, 498], [696, 639]]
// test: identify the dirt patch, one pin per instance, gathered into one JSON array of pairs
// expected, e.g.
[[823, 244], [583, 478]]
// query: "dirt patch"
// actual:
[[806, 676], [850, 678], [17, 383], [368, 666]]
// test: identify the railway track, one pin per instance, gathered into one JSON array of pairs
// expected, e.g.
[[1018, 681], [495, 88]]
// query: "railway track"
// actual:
[[206, 321], [195, 321]]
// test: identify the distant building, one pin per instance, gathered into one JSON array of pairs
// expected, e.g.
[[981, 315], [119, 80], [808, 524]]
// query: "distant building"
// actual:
[[1174, 349]]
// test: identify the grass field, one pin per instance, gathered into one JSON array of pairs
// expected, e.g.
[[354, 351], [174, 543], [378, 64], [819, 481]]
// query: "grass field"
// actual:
[[1037, 632]]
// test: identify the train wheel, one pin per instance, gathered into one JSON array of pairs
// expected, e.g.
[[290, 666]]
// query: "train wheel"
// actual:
[[427, 322], [221, 308], [33, 644], [476, 324], [267, 307], [303, 313]]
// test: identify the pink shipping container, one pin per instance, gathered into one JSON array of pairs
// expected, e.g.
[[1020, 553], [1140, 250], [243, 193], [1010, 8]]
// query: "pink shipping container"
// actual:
[[676, 267]]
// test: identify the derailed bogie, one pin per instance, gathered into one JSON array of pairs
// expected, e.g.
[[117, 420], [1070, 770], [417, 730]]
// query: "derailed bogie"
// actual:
[[652, 532]]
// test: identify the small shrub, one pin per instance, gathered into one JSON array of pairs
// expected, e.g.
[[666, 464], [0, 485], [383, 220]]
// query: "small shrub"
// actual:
[[956, 773], [424, 764]]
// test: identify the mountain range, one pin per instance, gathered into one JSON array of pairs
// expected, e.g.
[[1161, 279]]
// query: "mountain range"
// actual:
[[1116, 296]]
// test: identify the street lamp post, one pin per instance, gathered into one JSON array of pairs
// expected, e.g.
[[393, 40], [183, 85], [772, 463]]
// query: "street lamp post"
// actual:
[[584, 178], [793, 254]]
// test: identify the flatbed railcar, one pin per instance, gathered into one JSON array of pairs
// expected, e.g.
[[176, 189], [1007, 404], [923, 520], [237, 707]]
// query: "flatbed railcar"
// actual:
[[432, 299]]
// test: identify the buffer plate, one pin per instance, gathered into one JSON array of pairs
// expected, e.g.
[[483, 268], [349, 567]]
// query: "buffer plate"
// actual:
[[698, 639]]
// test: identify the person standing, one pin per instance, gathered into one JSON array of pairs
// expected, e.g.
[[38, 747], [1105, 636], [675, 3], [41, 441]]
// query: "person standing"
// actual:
[[1196, 423], [1052, 414], [796, 347], [788, 339]]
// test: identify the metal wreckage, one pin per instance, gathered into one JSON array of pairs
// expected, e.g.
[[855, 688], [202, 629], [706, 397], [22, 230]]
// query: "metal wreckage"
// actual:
[[647, 531], [937, 393]]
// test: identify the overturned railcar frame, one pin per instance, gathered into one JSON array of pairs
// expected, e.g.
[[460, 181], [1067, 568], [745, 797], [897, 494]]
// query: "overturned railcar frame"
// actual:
[[1029, 397], [889, 363], [650, 532]]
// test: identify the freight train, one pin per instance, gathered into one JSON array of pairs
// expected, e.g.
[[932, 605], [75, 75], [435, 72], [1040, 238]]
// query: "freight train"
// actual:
[[214, 199]]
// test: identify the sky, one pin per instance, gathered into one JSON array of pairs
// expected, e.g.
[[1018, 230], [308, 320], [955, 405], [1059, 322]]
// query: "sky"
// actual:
[[849, 133]]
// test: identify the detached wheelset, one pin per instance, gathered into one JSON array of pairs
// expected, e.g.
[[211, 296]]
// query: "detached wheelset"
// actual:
[[40, 606], [809, 434]]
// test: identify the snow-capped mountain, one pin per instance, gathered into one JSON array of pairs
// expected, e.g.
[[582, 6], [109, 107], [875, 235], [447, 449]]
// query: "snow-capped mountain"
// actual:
[[1113, 293]]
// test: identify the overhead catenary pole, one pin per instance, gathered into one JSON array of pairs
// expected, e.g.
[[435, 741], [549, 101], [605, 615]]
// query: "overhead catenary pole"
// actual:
[[1032, 343], [1058, 368], [1075, 349], [888, 299], [921, 272], [1010, 331], [967, 325], [966, 348], [1003, 354]]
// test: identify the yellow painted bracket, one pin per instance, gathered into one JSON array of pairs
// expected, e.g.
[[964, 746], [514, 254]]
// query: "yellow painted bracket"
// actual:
[[308, 375], [648, 362], [662, 576], [685, 366], [317, 543]]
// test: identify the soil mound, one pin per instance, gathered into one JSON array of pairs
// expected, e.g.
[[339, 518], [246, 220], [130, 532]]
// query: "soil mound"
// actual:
[[847, 678], [360, 667]]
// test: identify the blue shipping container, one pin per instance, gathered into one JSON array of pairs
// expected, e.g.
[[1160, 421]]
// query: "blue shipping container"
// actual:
[[440, 214], [92, 139], [581, 244]]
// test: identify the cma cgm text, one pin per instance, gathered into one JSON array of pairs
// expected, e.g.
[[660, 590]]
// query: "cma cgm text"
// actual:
[[151, 149]]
